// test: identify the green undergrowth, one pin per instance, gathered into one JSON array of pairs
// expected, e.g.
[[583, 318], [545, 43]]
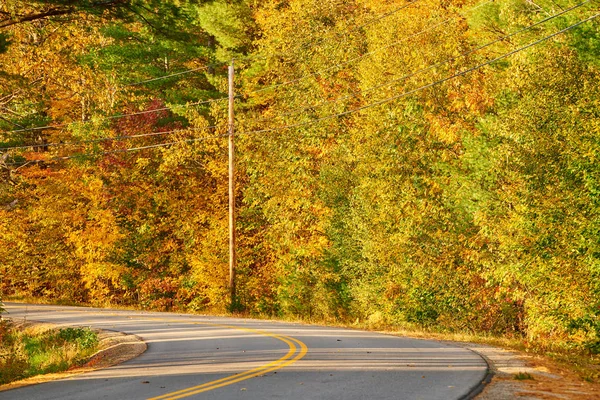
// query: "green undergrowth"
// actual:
[[522, 376], [26, 351]]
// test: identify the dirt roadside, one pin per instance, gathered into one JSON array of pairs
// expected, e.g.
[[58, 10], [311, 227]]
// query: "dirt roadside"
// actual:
[[521, 376], [115, 348]]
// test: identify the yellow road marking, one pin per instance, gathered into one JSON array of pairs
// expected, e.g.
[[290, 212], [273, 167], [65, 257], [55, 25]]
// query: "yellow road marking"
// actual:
[[272, 366]]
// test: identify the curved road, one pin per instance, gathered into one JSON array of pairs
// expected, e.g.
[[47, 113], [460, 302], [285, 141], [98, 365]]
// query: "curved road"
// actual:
[[198, 357]]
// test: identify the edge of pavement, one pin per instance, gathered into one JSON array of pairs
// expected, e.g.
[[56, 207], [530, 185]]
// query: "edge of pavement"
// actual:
[[513, 374]]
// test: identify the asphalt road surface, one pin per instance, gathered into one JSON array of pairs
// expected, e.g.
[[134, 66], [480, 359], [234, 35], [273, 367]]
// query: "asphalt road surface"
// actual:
[[199, 357]]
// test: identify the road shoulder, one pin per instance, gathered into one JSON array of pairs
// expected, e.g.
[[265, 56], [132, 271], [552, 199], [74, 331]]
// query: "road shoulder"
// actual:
[[518, 375]]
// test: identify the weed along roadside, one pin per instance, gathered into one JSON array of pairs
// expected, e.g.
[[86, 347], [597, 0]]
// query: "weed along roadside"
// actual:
[[33, 353], [28, 349]]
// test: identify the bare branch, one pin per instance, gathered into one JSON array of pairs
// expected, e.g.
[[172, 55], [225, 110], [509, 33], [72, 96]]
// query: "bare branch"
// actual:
[[143, 18], [11, 111], [7, 99], [10, 122], [33, 17], [55, 12]]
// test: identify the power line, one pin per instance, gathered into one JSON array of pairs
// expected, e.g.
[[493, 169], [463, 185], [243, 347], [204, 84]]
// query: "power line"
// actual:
[[435, 83], [117, 151], [344, 35], [130, 114], [386, 100], [181, 73], [203, 68], [384, 15], [358, 109], [432, 66], [336, 66], [117, 116], [224, 98], [105, 139]]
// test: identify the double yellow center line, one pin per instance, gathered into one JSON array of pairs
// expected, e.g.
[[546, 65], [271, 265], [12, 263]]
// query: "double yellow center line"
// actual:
[[297, 350]]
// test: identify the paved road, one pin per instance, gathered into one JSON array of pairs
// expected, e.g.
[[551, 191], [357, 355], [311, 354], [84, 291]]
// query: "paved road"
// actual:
[[226, 358]]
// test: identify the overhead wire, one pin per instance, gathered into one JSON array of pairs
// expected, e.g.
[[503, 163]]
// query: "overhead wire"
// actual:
[[355, 110], [398, 9], [429, 67], [117, 116], [336, 66], [202, 68], [375, 51], [117, 151], [207, 67], [404, 94], [304, 108], [435, 83], [189, 71], [105, 139], [338, 34]]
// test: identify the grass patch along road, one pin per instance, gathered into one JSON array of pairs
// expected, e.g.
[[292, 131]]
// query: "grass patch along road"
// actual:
[[27, 351]]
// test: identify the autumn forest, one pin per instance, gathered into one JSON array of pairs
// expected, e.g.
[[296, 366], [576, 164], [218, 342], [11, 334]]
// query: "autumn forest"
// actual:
[[425, 163]]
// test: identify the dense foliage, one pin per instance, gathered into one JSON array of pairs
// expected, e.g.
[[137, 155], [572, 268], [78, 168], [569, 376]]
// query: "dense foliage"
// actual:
[[397, 163]]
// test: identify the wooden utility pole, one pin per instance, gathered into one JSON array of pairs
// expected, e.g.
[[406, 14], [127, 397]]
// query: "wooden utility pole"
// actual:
[[232, 255]]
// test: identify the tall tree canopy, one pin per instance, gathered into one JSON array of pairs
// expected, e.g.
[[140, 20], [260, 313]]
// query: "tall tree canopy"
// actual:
[[425, 163]]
